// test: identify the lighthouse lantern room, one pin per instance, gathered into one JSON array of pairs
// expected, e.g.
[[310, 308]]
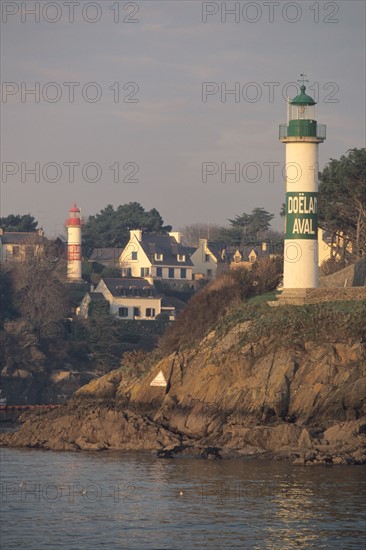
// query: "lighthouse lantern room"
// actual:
[[302, 135], [73, 225]]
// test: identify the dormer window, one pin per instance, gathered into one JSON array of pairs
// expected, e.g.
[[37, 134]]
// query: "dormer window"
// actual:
[[158, 257], [181, 258]]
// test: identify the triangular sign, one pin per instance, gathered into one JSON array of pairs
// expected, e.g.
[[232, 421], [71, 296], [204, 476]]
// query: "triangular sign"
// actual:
[[159, 380]]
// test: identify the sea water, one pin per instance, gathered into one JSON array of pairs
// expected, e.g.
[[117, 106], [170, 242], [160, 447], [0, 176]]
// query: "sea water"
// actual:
[[90, 500]]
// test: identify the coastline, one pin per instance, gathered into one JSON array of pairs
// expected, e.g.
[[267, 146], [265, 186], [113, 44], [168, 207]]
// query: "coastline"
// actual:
[[250, 388]]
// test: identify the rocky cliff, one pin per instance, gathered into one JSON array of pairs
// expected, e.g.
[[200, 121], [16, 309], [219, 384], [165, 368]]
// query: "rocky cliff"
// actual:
[[275, 384]]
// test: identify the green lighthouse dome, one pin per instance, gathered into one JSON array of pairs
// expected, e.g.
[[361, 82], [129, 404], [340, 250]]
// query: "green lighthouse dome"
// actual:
[[303, 98], [301, 122]]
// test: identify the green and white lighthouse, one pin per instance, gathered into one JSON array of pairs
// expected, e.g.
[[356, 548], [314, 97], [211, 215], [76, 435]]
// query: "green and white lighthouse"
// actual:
[[302, 135]]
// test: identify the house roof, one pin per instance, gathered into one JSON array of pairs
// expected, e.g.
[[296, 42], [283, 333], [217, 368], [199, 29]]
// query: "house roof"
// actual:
[[96, 296], [21, 238], [173, 302], [129, 285], [246, 250], [105, 255], [168, 247], [218, 250], [191, 249]]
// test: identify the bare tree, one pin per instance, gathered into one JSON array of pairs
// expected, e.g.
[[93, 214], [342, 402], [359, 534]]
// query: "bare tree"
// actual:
[[191, 234], [39, 291]]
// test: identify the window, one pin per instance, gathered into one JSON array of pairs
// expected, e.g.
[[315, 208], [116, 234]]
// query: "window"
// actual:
[[158, 257], [16, 250], [126, 272], [252, 258], [123, 312], [171, 273], [209, 273], [136, 312], [207, 258], [134, 255], [150, 312], [183, 273], [144, 271], [29, 251], [159, 271], [181, 258]]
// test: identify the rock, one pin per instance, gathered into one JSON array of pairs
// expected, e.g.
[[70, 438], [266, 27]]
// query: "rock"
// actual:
[[305, 441], [299, 461], [224, 399], [339, 460], [211, 453], [164, 453]]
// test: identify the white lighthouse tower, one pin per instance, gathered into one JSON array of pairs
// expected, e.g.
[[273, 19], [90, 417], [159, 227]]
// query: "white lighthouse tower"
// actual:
[[73, 225], [302, 136]]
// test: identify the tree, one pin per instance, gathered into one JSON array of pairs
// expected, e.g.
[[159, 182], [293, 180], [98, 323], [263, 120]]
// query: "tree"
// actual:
[[7, 310], [342, 200], [283, 210], [191, 234], [247, 228], [19, 223], [110, 227], [39, 295]]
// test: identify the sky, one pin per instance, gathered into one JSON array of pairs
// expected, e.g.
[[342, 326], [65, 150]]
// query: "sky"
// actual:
[[131, 102]]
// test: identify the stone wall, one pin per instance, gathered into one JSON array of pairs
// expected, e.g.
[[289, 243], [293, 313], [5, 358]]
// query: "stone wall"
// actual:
[[303, 296], [318, 295]]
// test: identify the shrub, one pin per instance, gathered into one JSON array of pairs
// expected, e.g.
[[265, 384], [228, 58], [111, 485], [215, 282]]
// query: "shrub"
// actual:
[[206, 308], [331, 266], [267, 273]]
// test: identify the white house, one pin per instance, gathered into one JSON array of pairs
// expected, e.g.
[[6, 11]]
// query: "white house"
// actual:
[[209, 259], [332, 248], [128, 299], [20, 246], [157, 257]]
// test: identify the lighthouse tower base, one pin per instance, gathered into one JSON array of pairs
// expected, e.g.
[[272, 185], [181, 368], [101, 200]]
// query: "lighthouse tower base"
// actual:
[[293, 296]]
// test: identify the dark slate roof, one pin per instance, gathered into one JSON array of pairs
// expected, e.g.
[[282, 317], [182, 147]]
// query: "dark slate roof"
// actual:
[[21, 238], [168, 246], [191, 249], [218, 250], [105, 255], [129, 285], [166, 304], [96, 296], [172, 301]]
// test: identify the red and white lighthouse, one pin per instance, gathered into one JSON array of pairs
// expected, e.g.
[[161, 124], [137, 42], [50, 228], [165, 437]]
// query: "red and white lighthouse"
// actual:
[[73, 225]]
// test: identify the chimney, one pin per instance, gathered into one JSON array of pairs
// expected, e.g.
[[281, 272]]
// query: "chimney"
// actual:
[[177, 235], [136, 233], [264, 246]]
